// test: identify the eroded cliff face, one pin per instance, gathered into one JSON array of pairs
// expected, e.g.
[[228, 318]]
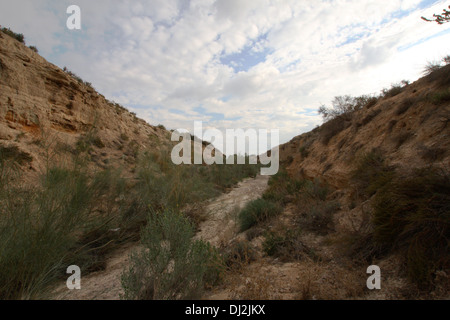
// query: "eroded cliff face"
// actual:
[[411, 130], [43, 107]]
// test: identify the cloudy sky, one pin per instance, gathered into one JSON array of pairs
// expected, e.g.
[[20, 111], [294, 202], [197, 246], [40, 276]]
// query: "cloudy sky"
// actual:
[[235, 63]]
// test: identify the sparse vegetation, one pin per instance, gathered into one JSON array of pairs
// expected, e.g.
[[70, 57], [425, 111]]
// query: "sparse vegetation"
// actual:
[[40, 227], [400, 138], [286, 246], [333, 127], [281, 186], [66, 218], [372, 115], [440, 97], [395, 90], [339, 117], [77, 78], [257, 211], [372, 172], [237, 255], [34, 49], [172, 266], [319, 217], [343, 106], [18, 36], [439, 73], [411, 215], [432, 67]]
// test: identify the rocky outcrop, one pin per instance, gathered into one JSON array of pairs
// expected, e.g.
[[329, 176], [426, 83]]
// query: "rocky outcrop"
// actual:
[[41, 104]]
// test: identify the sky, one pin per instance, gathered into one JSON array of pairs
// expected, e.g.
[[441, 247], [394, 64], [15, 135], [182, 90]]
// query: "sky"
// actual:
[[247, 64]]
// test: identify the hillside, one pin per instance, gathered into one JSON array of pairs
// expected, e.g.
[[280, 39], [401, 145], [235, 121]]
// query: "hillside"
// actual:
[[368, 187], [42, 107], [384, 173], [410, 129], [81, 178]]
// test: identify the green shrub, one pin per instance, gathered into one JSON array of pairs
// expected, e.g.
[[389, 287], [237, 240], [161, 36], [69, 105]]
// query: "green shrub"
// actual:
[[226, 176], [411, 214], [62, 220], [68, 216], [440, 97], [18, 36], [257, 211], [172, 266], [371, 172], [37, 229]]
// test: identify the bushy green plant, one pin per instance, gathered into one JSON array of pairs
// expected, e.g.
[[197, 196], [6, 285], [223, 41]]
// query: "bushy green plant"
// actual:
[[37, 229], [172, 266], [61, 220], [257, 211], [412, 214]]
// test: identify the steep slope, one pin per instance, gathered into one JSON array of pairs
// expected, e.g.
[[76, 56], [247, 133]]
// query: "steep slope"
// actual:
[[43, 107], [409, 128], [386, 167]]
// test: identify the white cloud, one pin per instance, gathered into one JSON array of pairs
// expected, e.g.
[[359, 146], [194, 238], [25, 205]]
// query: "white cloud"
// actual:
[[165, 55]]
